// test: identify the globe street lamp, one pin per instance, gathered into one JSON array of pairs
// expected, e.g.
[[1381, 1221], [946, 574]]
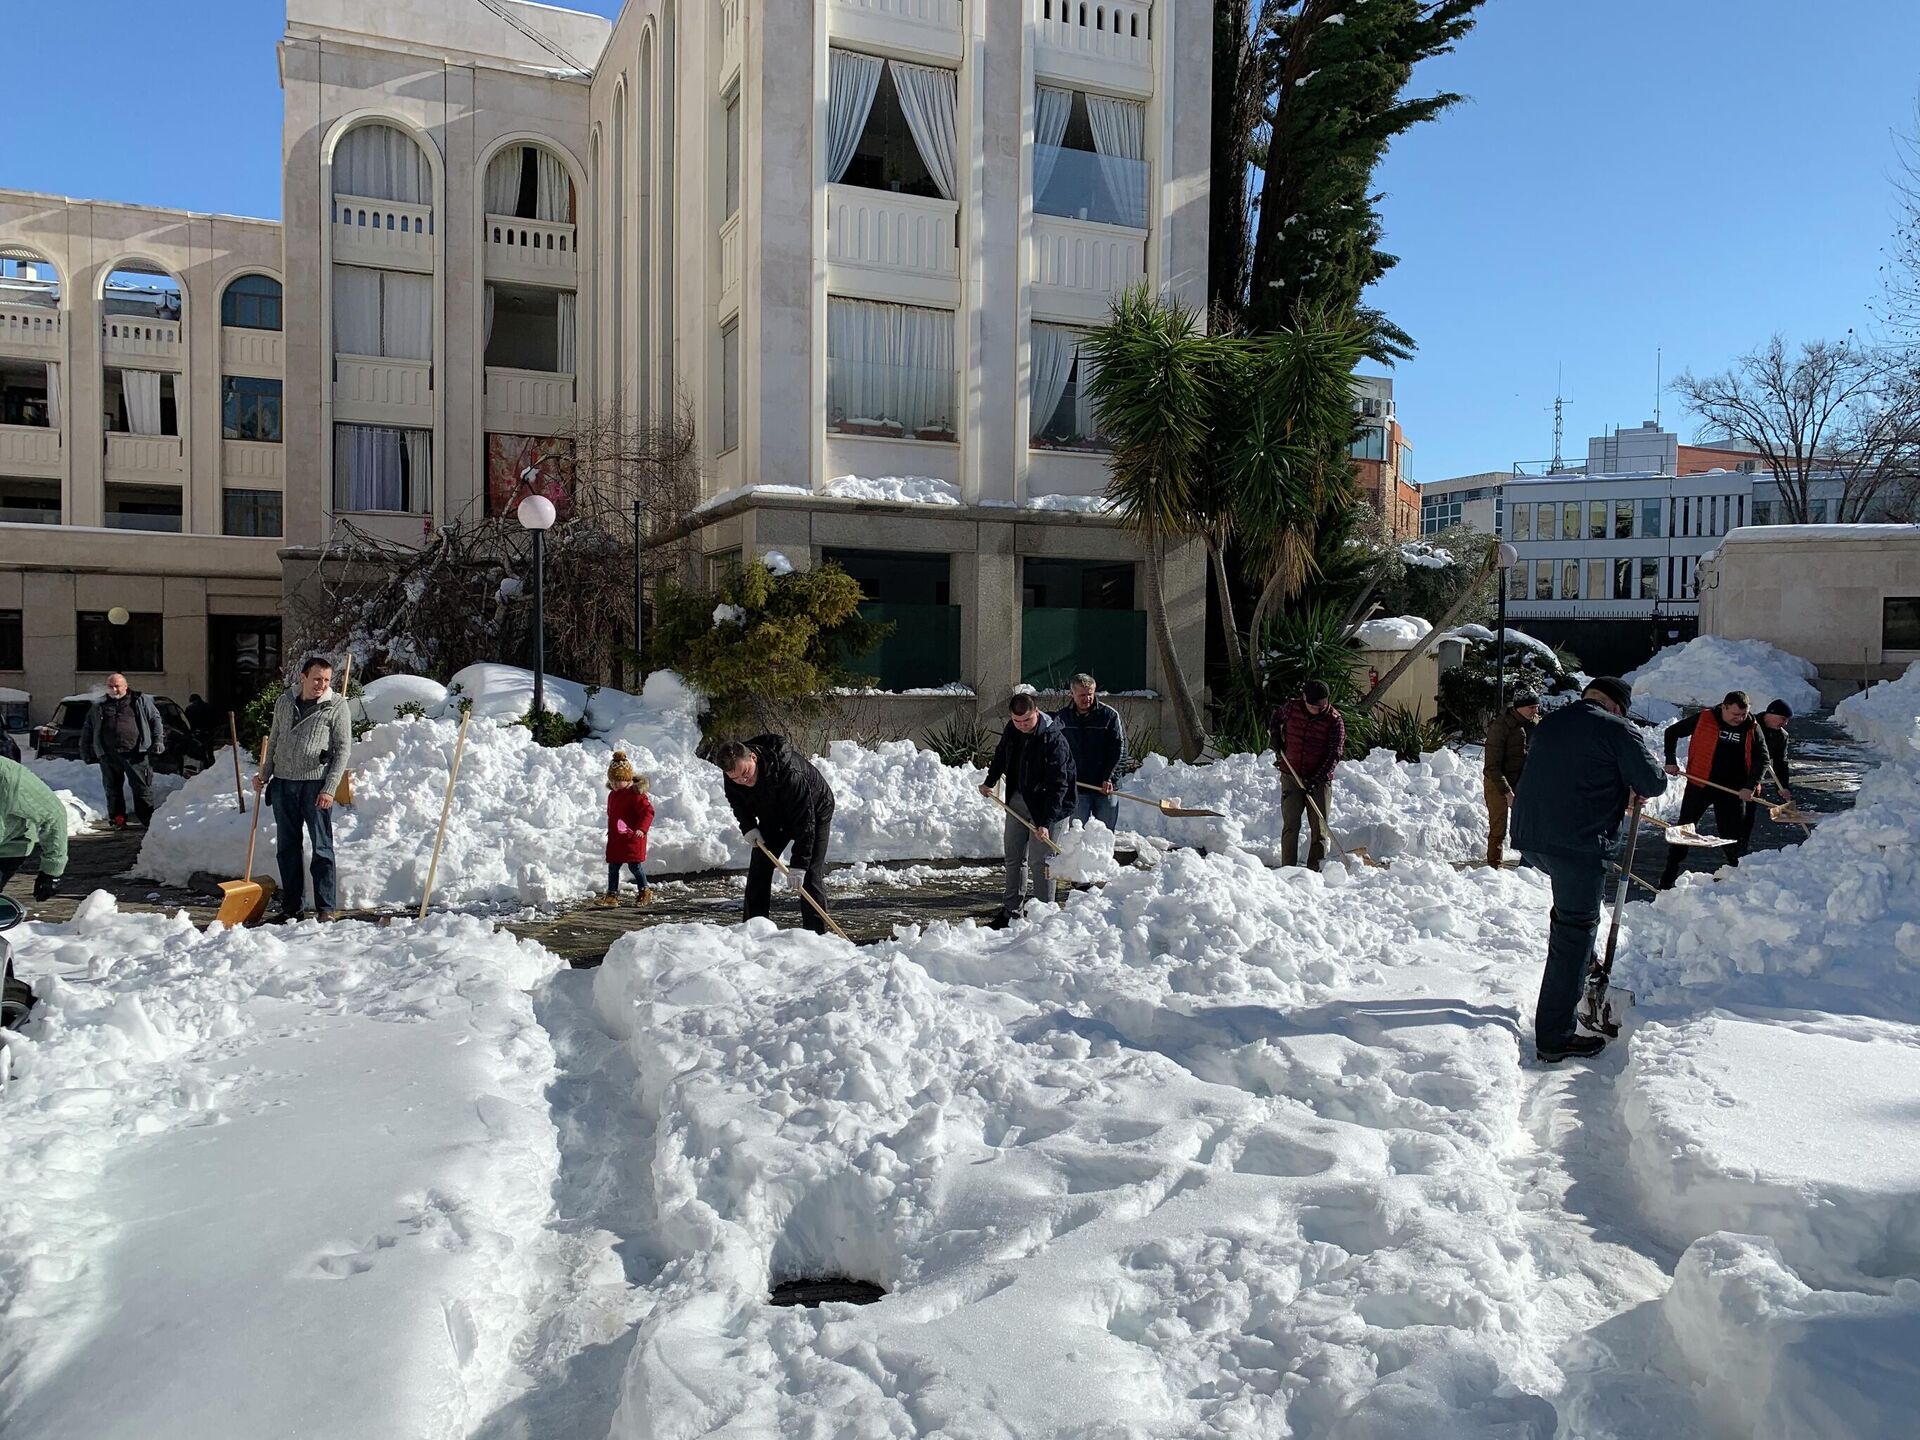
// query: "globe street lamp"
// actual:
[[1507, 557], [536, 513]]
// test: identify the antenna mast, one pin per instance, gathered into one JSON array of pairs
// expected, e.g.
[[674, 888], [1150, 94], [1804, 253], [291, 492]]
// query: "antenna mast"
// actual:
[[1657, 387], [1559, 417]]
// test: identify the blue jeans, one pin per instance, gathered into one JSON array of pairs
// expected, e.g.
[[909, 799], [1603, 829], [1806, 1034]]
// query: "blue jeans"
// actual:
[[633, 869], [296, 818], [1089, 806], [1579, 884]]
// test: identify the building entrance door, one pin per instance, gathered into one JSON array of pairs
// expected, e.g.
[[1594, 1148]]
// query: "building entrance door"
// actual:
[[243, 654]]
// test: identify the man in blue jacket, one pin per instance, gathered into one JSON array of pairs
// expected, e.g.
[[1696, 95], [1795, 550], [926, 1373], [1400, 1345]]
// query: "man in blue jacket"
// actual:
[[1034, 757], [1585, 764], [1098, 738]]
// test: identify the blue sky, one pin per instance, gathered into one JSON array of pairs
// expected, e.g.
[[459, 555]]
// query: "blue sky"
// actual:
[[1626, 175]]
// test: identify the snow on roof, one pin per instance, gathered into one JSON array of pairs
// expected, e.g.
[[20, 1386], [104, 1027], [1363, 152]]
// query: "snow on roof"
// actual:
[[1760, 534], [1397, 632]]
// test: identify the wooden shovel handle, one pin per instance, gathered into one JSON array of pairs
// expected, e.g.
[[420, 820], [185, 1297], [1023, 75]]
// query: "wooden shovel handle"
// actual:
[[446, 809], [233, 735], [1046, 840], [253, 829], [818, 908]]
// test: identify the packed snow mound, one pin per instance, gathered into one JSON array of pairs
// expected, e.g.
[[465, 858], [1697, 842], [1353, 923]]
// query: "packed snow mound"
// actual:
[[1393, 633], [1704, 669], [1775, 1359], [78, 788], [1886, 716], [505, 692], [894, 489], [222, 1150], [1081, 504], [1515, 639], [379, 699], [1086, 853]]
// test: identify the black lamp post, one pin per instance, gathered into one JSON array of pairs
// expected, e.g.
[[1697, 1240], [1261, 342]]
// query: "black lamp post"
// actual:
[[1508, 557], [536, 513]]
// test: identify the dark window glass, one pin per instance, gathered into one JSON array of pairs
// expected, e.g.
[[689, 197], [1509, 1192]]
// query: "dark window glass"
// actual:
[[1899, 625], [897, 577], [12, 652], [1077, 584], [250, 408], [251, 303], [136, 646], [887, 158], [250, 512]]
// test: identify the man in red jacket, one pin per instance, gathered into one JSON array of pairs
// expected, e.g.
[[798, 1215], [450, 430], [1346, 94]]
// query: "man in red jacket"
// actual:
[[1724, 746], [1310, 738]]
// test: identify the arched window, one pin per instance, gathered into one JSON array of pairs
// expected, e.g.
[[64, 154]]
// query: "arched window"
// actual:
[[382, 162], [529, 182], [252, 302]]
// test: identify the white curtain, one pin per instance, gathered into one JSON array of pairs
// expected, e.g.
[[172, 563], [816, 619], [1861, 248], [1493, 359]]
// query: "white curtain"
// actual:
[[366, 468], [419, 445], [553, 192], [890, 362], [1120, 135], [503, 181], [53, 396], [356, 310], [852, 80], [1085, 423], [568, 324], [1054, 347], [488, 339], [1051, 110], [929, 97], [406, 316], [142, 391], [382, 162]]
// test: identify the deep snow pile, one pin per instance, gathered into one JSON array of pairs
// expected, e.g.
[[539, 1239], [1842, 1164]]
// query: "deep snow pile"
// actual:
[[1704, 669], [379, 699], [1393, 633], [252, 1178], [78, 788], [1884, 716]]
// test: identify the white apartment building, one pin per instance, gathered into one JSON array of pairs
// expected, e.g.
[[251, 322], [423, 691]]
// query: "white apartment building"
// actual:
[[857, 237], [141, 463]]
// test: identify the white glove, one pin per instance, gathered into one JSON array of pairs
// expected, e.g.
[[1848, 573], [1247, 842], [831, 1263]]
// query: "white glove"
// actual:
[[754, 838], [796, 879]]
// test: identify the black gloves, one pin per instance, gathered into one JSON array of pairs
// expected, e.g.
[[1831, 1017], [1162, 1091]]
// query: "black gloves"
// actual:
[[44, 886]]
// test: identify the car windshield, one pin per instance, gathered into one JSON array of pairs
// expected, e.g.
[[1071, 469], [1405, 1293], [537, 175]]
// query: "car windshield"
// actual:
[[71, 713]]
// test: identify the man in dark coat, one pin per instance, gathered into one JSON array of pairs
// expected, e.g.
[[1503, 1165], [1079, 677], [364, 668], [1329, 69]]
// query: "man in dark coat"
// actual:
[[1310, 737], [1037, 762], [1724, 746], [121, 734], [1508, 735], [780, 798], [1586, 762], [1098, 738], [1773, 734]]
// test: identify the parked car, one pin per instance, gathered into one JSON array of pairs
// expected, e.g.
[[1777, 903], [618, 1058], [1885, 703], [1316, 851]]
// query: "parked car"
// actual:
[[59, 738]]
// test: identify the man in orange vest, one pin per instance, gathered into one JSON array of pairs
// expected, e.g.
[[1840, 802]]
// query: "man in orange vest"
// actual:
[[1724, 746]]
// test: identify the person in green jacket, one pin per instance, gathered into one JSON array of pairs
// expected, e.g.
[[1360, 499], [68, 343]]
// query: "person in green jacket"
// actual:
[[31, 818]]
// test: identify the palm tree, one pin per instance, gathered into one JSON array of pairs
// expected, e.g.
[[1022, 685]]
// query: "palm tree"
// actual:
[[1153, 383]]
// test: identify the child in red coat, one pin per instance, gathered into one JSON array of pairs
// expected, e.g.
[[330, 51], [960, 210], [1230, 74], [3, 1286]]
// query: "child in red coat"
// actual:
[[629, 817]]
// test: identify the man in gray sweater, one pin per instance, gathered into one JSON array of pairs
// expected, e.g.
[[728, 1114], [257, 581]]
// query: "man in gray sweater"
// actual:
[[307, 753]]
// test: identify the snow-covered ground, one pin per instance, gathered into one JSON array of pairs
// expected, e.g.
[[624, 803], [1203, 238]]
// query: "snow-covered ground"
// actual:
[[1704, 669], [79, 789], [1213, 1150]]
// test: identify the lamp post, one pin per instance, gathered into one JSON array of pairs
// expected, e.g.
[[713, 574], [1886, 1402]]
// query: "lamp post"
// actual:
[[1508, 558], [536, 514]]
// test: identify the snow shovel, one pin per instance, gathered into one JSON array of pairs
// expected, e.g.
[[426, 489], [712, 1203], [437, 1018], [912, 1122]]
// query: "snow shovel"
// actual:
[[818, 908], [1687, 835], [1599, 1015], [1786, 813], [233, 735], [1359, 851], [343, 792], [1046, 840], [1171, 808], [243, 902], [446, 809]]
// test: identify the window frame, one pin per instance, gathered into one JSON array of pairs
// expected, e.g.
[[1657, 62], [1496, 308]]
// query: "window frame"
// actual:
[[13, 640], [228, 494], [229, 311], [232, 387], [115, 643], [730, 386], [1887, 602]]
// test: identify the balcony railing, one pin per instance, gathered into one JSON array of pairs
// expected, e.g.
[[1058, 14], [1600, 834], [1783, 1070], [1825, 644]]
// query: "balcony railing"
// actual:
[[129, 520], [730, 265], [129, 337], [731, 37], [252, 352], [382, 233], [930, 29], [29, 447], [145, 457], [374, 390], [252, 461], [542, 252], [28, 515], [31, 330], [1107, 44], [528, 402], [905, 246], [1078, 267]]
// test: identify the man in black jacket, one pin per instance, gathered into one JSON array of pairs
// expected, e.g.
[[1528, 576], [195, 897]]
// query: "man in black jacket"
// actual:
[[1725, 747], [1098, 738], [1773, 734], [779, 798], [1037, 762], [1585, 763], [121, 734]]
